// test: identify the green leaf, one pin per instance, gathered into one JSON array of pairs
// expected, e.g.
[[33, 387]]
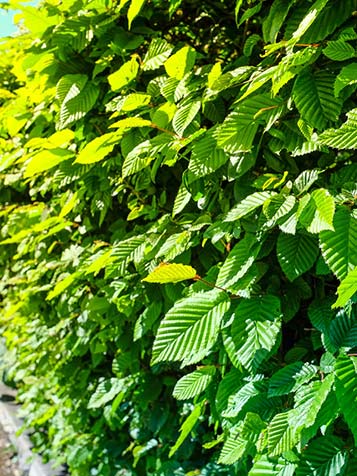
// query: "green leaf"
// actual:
[[314, 98], [302, 28], [235, 447], [296, 254], [238, 262], [106, 391], [158, 52], [134, 10], [319, 394], [77, 96], [346, 289], [184, 116], [62, 285], [182, 198], [290, 378], [248, 204], [291, 65], [187, 426], [46, 160], [281, 434], [175, 245], [227, 386], [304, 181], [236, 401], [338, 247], [190, 328], [174, 5], [331, 17], [130, 249], [97, 149], [249, 13], [180, 63], [147, 318], [343, 138], [170, 273], [276, 210], [125, 74], [139, 157], [134, 162], [206, 156], [346, 389], [257, 80], [193, 384], [272, 467], [324, 456], [338, 331], [123, 252], [254, 330], [241, 439], [100, 261], [324, 211], [238, 131], [275, 19], [308, 19], [69, 205], [347, 76], [339, 50], [163, 115], [342, 331]]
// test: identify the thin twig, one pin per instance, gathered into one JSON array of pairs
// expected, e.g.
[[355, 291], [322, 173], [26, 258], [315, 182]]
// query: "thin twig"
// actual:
[[212, 285]]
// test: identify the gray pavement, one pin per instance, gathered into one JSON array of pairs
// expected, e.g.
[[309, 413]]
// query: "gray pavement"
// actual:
[[29, 462]]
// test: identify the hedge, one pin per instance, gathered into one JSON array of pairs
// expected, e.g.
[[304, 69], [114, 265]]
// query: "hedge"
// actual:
[[179, 235]]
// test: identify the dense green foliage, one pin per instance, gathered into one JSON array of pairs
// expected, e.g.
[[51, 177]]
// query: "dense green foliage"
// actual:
[[218, 135]]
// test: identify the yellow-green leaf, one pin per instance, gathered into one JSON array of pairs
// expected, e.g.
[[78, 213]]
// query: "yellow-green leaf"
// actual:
[[170, 273], [69, 205], [62, 286], [164, 114], [130, 122], [134, 101], [122, 4], [98, 149], [125, 74], [214, 74], [45, 160], [58, 139], [134, 10], [347, 288], [35, 19], [181, 62], [187, 427], [100, 262]]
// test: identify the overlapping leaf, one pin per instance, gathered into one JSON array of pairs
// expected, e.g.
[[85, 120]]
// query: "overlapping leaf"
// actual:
[[339, 246], [325, 456], [254, 331], [77, 97], [296, 254], [314, 97], [194, 383], [190, 329], [343, 138]]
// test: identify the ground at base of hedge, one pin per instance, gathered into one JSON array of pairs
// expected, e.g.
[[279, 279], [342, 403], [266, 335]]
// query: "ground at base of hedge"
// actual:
[[8, 458]]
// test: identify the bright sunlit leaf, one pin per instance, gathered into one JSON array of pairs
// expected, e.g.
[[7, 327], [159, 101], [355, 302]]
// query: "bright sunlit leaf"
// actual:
[[170, 273]]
